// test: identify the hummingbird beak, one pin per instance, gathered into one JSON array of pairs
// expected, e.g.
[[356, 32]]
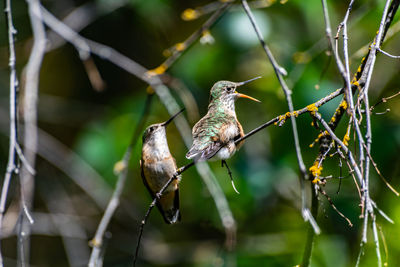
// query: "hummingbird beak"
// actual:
[[243, 83], [172, 118], [243, 95], [246, 96]]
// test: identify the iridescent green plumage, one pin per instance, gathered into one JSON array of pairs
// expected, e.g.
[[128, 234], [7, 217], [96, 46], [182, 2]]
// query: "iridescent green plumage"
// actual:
[[217, 131]]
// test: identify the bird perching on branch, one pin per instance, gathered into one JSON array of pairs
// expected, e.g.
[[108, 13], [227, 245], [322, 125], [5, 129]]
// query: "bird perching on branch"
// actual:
[[214, 135], [157, 167]]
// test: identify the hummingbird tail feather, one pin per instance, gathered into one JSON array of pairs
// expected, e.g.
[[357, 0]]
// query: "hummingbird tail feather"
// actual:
[[169, 207], [205, 153]]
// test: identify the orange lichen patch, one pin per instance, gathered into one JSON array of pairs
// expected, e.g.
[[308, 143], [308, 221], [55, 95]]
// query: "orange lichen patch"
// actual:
[[180, 46], [189, 14], [286, 116], [281, 118], [315, 171], [346, 139], [316, 180], [344, 104], [356, 83], [324, 133], [312, 108], [157, 71]]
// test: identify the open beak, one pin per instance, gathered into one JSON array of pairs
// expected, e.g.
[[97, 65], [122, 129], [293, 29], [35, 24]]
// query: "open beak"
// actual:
[[172, 118], [246, 96], [243, 95]]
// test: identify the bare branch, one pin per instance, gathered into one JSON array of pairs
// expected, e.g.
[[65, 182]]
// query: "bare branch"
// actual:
[[387, 54], [30, 120], [383, 100], [11, 164]]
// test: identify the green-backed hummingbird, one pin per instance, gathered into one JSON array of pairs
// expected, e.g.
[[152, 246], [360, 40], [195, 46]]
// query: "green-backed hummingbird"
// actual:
[[216, 132], [157, 167]]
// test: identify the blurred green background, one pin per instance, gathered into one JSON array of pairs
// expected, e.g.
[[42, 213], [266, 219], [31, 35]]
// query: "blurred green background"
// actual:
[[82, 128]]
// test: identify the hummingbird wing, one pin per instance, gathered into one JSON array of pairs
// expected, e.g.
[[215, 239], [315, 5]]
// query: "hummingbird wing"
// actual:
[[210, 134], [168, 204]]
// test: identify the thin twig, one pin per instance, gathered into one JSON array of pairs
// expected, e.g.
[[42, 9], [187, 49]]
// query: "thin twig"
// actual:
[[11, 164], [387, 54], [179, 48], [384, 215], [310, 233], [380, 174], [383, 100], [230, 175], [384, 245], [334, 206]]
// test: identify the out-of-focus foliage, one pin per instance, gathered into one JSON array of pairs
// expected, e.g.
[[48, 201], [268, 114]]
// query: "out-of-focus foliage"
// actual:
[[98, 127]]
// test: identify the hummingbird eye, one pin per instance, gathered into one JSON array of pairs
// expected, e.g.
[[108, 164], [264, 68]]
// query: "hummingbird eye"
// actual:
[[229, 88]]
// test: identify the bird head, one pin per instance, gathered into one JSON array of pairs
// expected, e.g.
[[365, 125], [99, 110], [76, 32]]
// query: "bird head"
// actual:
[[157, 131], [225, 91]]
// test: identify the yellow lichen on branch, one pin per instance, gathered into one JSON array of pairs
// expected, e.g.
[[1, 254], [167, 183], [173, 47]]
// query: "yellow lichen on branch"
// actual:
[[180, 46], [312, 109], [157, 71], [343, 104], [324, 133], [316, 172], [283, 118], [190, 14]]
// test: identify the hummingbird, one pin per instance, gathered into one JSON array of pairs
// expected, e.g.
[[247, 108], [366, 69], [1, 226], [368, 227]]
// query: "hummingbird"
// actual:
[[214, 135], [157, 167]]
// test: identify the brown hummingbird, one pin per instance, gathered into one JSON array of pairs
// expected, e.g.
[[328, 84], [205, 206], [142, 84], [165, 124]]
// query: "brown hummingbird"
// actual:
[[216, 132], [157, 167]]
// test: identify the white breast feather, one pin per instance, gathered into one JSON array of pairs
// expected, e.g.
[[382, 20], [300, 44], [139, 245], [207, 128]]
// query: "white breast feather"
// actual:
[[232, 131]]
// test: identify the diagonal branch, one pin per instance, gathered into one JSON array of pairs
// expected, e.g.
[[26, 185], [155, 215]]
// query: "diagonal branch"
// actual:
[[30, 127], [280, 72]]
